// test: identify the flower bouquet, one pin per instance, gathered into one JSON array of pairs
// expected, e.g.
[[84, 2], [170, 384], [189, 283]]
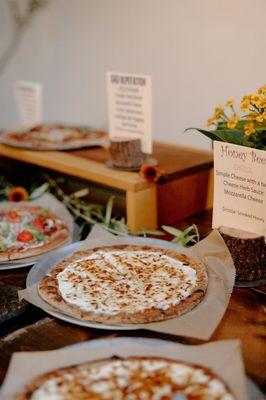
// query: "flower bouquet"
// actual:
[[248, 129]]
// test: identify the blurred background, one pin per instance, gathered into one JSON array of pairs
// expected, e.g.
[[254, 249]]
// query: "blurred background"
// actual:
[[199, 53]]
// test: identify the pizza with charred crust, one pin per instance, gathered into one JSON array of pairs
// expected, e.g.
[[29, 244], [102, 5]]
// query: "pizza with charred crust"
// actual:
[[133, 378], [56, 136], [125, 284], [27, 231]]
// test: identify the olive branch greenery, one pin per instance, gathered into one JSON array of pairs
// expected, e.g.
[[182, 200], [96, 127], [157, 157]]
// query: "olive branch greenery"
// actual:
[[88, 214]]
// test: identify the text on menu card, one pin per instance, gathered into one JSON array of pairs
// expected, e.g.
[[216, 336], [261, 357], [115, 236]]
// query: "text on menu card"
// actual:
[[30, 103], [129, 107], [239, 188]]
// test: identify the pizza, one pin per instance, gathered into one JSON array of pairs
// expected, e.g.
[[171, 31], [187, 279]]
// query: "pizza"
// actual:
[[133, 378], [27, 231], [125, 284], [45, 137]]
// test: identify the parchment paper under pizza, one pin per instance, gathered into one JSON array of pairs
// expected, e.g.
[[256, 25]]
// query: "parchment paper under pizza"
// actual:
[[132, 378], [53, 137], [125, 284]]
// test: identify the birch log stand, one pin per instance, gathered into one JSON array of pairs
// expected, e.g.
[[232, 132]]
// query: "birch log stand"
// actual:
[[248, 253]]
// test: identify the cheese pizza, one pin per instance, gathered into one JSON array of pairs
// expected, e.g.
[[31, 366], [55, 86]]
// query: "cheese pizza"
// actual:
[[27, 231], [125, 284], [132, 378]]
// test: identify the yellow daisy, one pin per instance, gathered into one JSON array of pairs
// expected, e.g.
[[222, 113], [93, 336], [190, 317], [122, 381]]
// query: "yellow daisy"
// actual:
[[231, 124]]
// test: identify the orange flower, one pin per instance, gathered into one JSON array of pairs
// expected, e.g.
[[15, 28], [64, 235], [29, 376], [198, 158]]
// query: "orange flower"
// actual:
[[17, 194], [150, 173]]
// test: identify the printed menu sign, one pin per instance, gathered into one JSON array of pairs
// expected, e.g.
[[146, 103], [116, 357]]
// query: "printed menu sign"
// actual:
[[29, 99], [129, 107], [239, 188]]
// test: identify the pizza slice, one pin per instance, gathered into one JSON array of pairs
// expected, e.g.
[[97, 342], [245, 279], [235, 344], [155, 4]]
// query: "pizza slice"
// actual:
[[27, 231]]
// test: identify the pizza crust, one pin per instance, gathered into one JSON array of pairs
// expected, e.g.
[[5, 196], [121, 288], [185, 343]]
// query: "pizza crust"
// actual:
[[210, 375], [53, 242], [49, 291]]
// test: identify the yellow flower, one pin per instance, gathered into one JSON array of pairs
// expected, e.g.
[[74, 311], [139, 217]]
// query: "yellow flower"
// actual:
[[245, 104], [218, 112], [263, 103], [257, 99], [260, 117], [249, 129], [252, 116], [230, 103], [262, 90], [211, 121], [231, 124]]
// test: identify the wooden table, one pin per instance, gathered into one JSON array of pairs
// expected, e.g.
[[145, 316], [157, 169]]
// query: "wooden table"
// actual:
[[185, 189], [34, 330]]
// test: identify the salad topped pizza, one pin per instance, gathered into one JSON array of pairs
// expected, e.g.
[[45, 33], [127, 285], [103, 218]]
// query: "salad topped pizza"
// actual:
[[27, 231], [53, 136]]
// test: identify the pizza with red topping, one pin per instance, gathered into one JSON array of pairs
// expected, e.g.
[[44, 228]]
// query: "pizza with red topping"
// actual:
[[125, 284], [132, 378], [56, 136], [27, 231]]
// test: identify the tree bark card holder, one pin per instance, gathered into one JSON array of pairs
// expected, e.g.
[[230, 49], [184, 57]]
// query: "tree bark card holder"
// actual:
[[248, 253], [126, 154]]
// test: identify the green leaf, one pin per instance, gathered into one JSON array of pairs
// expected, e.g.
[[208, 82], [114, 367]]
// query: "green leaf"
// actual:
[[189, 229], [154, 232], [222, 135], [80, 193], [109, 209], [171, 230], [178, 240], [210, 134], [39, 190]]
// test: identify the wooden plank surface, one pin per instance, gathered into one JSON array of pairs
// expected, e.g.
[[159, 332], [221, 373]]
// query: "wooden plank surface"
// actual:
[[244, 319], [67, 163], [174, 161]]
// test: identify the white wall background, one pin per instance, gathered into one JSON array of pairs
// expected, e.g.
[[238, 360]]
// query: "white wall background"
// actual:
[[199, 53]]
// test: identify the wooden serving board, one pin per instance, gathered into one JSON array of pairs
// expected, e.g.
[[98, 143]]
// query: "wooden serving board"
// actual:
[[184, 189]]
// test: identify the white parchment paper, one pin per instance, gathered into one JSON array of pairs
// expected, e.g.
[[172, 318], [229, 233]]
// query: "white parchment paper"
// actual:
[[223, 357], [199, 323]]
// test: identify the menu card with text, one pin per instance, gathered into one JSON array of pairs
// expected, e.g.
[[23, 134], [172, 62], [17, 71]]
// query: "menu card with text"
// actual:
[[30, 103], [129, 107], [239, 188]]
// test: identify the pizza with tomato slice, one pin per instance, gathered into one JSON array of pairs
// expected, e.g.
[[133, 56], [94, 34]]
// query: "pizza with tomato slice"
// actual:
[[27, 231], [54, 136]]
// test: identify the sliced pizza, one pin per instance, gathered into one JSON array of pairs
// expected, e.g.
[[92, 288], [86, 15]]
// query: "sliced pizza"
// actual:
[[56, 136], [125, 284], [27, 231], [132, 378]]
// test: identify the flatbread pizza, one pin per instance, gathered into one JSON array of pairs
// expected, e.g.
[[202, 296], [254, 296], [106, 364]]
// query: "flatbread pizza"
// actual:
[[51, 137], [27, 231], [132, 378], [125, 284]]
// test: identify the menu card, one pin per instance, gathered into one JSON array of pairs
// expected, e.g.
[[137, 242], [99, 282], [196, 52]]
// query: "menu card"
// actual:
[[129, 107], [239, 188], [30, 102]]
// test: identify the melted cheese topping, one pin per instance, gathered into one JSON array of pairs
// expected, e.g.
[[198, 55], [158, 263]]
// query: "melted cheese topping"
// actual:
[[128, 281], [133, 379]]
